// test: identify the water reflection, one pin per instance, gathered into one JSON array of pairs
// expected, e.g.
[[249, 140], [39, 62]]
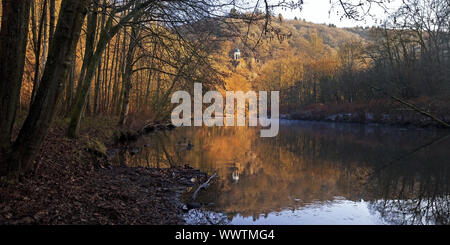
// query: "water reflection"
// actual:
[[312, 173]]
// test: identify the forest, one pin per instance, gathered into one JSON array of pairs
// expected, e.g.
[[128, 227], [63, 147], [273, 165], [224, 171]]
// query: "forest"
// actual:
[[81, 77]]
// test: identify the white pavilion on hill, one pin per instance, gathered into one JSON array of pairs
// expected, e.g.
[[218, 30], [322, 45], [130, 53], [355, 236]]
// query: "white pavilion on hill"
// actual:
[[237, 54]]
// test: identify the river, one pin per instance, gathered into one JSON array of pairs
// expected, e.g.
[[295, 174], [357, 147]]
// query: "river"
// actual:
[[312, 173]]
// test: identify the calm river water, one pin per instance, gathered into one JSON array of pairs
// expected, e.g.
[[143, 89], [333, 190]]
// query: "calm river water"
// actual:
[[312, 173]]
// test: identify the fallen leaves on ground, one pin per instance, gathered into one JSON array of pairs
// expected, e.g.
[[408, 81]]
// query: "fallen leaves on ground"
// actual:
[[66, 188]]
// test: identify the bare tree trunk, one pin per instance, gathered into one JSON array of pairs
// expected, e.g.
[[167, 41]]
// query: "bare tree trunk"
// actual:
[[105, 79], [97, 89], [107, 34], [13, 42], [37, 51], [52, 22], [126, 80], [121, 71], [112, 73], [89, 49], [115, 93], [70, 86], [99, 71], [34, 130]]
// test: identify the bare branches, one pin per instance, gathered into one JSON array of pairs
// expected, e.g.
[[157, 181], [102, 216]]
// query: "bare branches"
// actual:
[[203, 186], [360, 9]]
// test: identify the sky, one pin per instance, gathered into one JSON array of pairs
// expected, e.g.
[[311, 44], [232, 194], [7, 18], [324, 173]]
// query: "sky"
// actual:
[[318, 11]]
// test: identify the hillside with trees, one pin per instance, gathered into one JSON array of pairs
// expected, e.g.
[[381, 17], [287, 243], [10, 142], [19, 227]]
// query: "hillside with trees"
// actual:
[[389, 74]]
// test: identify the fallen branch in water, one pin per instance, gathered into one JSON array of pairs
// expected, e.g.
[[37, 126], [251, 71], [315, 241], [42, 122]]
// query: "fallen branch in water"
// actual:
[[413, 107], [203, 186]]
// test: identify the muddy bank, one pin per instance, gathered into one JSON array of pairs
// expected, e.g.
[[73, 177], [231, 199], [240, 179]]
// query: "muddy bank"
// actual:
[[71, 185], [368, 118], [367, 115]]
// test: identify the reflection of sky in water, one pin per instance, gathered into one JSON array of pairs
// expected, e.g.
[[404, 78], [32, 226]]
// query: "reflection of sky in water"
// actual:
[[337, 212]]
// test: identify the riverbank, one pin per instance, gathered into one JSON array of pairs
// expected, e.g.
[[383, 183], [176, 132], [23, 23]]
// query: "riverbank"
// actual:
[[377, 112], [73, 183]]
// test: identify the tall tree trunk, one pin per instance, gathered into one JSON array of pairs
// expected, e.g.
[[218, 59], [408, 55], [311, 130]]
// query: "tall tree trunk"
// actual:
[[99, 70], [70, 86], [13, 43], [127, 85], [107, 34], [90, 42], [113, 65], [105, 79], [36, 125], [123, 57], [97, 89], [37, 51], [52, 21], [115, 96]]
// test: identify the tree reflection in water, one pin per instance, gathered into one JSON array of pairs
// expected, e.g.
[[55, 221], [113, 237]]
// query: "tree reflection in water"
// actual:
[[413, 192], [310, 163], [205, 217]]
